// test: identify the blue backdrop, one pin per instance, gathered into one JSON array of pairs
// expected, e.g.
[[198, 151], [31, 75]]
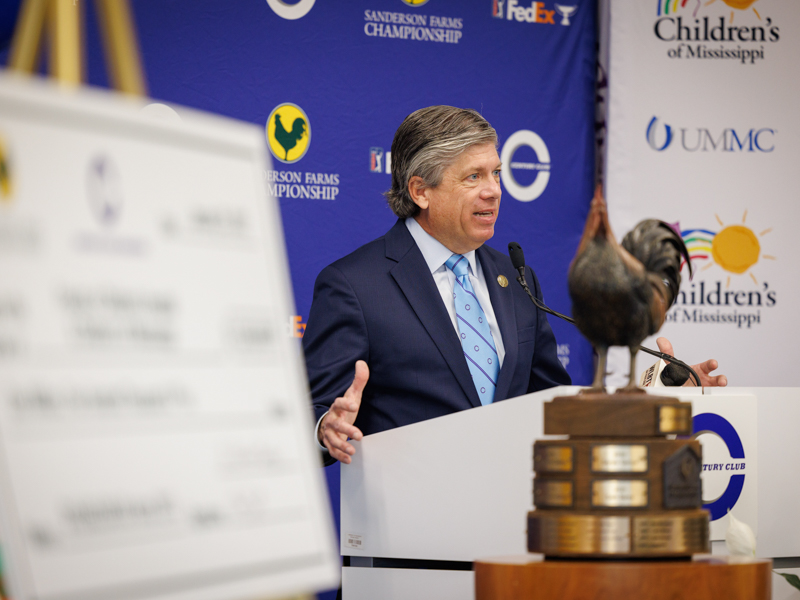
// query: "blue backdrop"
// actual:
[[355, 69]]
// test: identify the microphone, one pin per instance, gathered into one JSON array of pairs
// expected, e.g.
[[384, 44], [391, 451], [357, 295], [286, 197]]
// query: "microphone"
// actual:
[[673, 374], [662, 374], [517, 258]]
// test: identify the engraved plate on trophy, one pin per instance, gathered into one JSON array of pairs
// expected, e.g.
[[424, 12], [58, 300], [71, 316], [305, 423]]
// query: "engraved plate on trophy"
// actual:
[[570, 533], [615, 535], [675, 419], [619, 458], [619, 493], [553, 494], [677, 533], [553, 459]]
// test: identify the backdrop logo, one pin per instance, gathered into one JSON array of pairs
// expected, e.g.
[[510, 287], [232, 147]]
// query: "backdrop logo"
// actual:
[[288, 133], [651, 135], [6, 182], [291, 10], [719, 36], [529, 139], [666, 7], [415, 2], [536, 12], [703, 139], [498, 7], [104, 189], [412, 26], [376, 160], [736, 249], [710, 423]]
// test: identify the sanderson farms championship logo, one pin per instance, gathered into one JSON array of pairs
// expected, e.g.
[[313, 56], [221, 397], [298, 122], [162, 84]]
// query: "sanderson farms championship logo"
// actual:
[[288, 137], [288, 133], [736, 249]]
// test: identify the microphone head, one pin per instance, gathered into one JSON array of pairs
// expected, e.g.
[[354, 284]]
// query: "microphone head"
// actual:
[[517, 255], [674, 375]]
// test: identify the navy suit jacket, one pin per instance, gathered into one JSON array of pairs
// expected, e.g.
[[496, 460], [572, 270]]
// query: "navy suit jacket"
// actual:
[[380, 304]]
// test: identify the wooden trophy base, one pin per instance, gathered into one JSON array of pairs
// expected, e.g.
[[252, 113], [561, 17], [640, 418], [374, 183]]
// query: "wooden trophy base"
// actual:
[[529, 577]]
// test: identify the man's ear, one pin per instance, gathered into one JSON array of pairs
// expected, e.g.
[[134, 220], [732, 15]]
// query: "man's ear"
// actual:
[[418, 192]]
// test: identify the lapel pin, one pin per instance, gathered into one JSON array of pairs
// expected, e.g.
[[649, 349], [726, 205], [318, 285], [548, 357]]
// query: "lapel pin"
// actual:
[[501, 279]]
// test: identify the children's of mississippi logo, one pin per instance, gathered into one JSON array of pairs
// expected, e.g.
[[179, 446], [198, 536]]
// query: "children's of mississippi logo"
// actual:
[[729, 29], [737, 250], [288, 132]]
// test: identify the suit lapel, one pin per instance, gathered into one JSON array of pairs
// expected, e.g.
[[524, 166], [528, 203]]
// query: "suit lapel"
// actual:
[[503, 306], [416, 282]]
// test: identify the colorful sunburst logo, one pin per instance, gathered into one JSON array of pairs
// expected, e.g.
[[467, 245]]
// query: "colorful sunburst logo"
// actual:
[[666, 7], [735, 248]]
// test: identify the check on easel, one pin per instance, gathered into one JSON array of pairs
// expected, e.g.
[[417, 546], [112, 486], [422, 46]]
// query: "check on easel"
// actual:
[[154, 423]]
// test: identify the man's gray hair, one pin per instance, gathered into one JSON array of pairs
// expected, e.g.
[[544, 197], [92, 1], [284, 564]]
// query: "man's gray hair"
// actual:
[[426, 143]]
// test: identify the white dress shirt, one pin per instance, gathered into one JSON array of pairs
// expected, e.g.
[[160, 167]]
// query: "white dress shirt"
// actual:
[[435, 255]]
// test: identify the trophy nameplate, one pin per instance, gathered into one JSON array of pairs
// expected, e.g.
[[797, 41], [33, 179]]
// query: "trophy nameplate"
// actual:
[[619, 493], [619, 458], [553, 459], [674, 419], [553, 494]]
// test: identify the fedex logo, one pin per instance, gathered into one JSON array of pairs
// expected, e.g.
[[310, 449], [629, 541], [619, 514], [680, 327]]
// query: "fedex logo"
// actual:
[[535, 13]]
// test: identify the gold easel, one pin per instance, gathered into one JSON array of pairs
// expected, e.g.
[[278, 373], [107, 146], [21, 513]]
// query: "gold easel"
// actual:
[[64, 21]]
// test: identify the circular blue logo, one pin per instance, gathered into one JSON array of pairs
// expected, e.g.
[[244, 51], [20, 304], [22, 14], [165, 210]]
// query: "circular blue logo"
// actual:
[[711, 423]]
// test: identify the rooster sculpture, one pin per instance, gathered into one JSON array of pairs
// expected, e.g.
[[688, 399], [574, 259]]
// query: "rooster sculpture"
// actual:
[[289, 139], [621, 292]]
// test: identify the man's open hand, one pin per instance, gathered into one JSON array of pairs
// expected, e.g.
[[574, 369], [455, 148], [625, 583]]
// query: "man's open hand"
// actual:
[[703, 369], [337, 424]]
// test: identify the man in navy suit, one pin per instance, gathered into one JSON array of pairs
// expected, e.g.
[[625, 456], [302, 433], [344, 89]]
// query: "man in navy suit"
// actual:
[[389, 308], [384, 308]]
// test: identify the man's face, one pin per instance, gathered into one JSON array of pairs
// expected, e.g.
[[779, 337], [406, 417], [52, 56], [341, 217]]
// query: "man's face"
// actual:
[[461, 211]]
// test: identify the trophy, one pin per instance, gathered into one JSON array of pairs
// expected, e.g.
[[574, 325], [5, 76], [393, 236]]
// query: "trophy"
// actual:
[[624, 483]]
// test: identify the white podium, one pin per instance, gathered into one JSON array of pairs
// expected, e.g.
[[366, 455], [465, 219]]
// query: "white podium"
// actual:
[[420, 503]]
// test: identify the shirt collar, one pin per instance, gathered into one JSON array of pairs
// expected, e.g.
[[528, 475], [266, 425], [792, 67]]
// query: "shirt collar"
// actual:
[[433, 251]]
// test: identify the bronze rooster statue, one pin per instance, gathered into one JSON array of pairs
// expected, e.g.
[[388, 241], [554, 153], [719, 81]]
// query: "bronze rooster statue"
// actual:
[[621, 292]]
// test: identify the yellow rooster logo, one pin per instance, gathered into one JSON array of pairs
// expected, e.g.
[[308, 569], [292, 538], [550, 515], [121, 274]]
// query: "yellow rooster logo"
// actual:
[[288, 132]]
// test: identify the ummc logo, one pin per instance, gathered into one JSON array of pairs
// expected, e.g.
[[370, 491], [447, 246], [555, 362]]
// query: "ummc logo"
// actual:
[[529, 139], [289, 11], [651, 135], [704, 140], [710, 423], [288, 132]]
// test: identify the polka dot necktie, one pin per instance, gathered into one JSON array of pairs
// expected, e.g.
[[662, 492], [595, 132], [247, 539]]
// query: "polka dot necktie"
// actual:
[[473, 329]]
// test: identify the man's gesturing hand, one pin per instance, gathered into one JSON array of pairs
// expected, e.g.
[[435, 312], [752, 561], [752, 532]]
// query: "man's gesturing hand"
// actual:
[[337, 424]]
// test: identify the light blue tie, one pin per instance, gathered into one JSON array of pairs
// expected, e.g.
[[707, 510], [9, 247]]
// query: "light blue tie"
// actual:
[[473, 329]]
